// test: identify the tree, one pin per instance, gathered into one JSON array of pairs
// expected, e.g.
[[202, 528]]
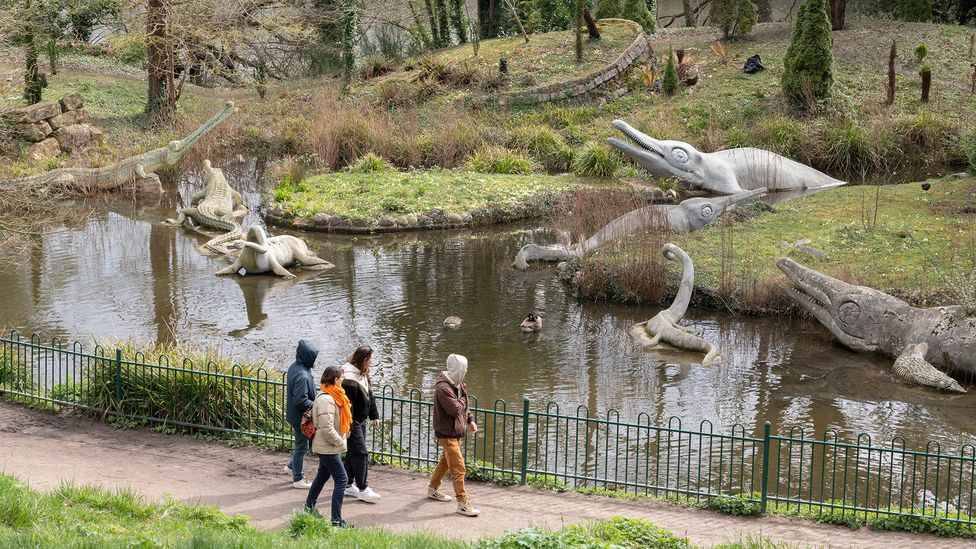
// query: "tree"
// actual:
[[459, 21], [764, 11], [914, 10], [609, 8], [691, 18], [838, 9], [443, 24], [733, 17], [640, 12], [809, 63], [671, 81]]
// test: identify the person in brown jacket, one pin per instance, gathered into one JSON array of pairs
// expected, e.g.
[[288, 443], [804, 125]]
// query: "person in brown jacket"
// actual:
[[452, 420]]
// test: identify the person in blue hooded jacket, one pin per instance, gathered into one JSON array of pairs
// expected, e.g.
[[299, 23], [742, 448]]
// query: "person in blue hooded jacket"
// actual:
[[301, 396]]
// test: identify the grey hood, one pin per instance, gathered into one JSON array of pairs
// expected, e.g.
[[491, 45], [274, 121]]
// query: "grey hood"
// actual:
[[457, 367]]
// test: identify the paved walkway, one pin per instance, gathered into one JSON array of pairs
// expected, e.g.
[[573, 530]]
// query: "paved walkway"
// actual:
[[44, 449]]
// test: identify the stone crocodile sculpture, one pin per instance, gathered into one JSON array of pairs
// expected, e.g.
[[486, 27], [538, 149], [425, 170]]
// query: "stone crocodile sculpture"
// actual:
[[665, 326], [262, 254], [688, 216], [215, 207], [135, 172], [725, 172], [926, 343]]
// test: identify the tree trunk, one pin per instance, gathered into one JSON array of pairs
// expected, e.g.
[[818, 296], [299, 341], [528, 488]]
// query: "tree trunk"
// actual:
[[443, 24], [32, 80], [591, 27], [764, 11], [891, 75], [691, 20], [459, 21], [162, 90], [492, 31], [432, 21], [52, 55], [577, 20], [926, 83], [837, 12], [349, 22]]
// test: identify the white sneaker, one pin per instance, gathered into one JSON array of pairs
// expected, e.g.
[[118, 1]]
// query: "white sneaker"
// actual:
[[436, 494], [352, 491], [368, 495], [288, 470], [302, 484], [467, 509]]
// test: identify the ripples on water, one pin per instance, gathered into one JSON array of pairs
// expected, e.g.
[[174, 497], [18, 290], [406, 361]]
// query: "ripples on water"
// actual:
[[124, 275]]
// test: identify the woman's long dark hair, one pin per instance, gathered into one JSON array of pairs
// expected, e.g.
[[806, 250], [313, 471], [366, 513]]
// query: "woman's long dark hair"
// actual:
[[359, 358]]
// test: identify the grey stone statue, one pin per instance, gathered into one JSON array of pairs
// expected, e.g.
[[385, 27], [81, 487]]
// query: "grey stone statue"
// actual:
[[924, 342], [725, 172], [688, 216], [262, 254], [136, 171], [217, 206], [665, 327]]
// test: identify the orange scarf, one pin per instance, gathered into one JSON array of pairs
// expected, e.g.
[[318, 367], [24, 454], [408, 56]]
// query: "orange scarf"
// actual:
[[345, 407]]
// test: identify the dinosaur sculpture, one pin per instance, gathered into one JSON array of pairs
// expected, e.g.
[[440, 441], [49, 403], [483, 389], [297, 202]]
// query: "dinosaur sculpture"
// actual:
[[139, 168], [725, 172], [665, 326], [261, 254], [215, 207], [924, 342], [688, 216]]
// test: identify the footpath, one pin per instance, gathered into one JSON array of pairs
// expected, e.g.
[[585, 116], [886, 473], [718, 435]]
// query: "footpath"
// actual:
[[44, 450]]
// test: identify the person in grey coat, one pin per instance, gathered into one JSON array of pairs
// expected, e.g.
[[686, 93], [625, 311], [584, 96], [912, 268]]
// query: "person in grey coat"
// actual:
[[301, 396]]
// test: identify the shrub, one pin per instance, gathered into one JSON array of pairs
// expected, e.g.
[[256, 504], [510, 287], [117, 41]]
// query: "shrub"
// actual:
[[596, 160], [846, 146], [545, 145], [780, 134], [914, 10], [398, 94], [129, 48], [617, 532], [808, 65], [920, 52], [500, 160], [733, 17], [374, 66], [739, 505], [670, 82], [369, 163]]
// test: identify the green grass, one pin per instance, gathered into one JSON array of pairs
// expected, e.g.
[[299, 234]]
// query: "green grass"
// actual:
[[88, 516], [918, 245], [367, 196]]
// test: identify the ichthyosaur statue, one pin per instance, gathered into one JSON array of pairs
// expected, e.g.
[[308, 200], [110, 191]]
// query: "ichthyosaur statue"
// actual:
[[725, 172], [926, 343], [262, 254], [688, 216], [122, 174], [665, 327]]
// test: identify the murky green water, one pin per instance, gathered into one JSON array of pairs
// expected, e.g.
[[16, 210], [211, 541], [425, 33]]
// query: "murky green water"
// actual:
[[122, 274]]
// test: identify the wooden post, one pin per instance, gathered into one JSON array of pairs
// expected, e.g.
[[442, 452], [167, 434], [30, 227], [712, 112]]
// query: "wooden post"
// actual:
[[891, 75], [926, 83]]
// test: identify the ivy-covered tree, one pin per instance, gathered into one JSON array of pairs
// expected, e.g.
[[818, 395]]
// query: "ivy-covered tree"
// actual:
[[459, 21], [733, 17], [808, 67], [914, 10]]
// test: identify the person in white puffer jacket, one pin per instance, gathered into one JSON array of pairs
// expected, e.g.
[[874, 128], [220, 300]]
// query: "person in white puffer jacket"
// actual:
[[356, 383]]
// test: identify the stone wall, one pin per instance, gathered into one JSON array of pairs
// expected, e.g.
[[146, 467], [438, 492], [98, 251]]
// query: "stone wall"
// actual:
[[597, 81], [54, 127]]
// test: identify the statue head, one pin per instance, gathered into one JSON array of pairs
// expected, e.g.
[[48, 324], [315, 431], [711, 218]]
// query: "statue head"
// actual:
[[174, 151], [857, 316], [697, 213], [677, 159]]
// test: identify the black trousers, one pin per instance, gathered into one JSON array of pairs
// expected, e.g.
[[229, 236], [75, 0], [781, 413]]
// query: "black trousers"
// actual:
[[357, 456]]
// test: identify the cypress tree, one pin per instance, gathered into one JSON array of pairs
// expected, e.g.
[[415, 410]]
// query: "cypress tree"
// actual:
[[638, 12], [914, 10], [609, 8], [670, 82], [808, 66]]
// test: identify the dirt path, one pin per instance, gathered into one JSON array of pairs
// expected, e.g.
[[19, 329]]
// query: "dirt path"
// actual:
[[44, 449]]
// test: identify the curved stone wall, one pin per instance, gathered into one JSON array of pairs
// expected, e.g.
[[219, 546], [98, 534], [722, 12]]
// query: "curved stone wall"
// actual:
[[638, 50]]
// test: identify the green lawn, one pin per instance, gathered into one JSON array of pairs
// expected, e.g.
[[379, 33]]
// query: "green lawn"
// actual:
[[393, 194]]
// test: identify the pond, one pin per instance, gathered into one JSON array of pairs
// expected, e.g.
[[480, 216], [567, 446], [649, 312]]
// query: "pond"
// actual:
[[122, 274]]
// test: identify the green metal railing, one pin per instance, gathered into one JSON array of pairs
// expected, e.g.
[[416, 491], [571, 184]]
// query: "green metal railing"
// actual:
[[522, 444]]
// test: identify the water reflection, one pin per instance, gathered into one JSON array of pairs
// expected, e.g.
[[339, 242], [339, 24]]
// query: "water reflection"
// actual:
[[122, 274]]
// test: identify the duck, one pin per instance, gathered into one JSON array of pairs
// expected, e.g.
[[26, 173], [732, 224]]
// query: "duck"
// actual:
[[452, 322], [532, 323]]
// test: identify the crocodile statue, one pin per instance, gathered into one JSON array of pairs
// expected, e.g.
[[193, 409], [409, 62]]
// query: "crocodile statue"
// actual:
[[135, 172], [725, 172], [665, 326], [214, 207], [926, 343], [688, 216], [261, 254]]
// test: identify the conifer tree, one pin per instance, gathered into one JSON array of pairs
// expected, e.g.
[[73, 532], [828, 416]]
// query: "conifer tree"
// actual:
[[914, 10], [808, 67], [734, 17]]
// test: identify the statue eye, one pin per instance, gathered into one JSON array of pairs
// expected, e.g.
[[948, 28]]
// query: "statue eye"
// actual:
[[849, 312], [706, 211], [679, 155]]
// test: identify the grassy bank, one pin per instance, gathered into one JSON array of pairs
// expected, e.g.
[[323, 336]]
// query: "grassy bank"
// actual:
[[86, 516], [420, 199], [919, 245]]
